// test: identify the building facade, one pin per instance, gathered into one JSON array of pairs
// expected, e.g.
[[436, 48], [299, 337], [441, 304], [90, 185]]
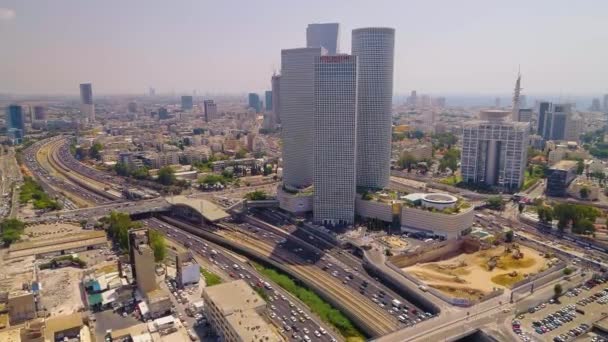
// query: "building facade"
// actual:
[[187, 102], [324, 35], [268, 100], [559, 177], [210, 109], [525, 115], [275, 83], [297, 110], [39, 113], [15, 124], [86, 97], [142, 258], [335, 139], [558, 122], [254, 102], [494, 150], [374, 48]]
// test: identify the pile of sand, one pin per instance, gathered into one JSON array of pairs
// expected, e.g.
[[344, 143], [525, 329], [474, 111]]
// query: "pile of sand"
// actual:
[[470, 276]]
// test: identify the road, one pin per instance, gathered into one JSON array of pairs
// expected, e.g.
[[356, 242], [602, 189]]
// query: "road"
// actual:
[[336, 262], [284, 310]]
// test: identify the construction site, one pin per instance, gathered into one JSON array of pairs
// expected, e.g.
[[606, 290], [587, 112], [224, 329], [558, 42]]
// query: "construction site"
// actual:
[[472, 270]]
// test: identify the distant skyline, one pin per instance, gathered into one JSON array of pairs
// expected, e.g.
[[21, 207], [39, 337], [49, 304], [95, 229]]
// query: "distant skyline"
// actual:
[[441, 47]]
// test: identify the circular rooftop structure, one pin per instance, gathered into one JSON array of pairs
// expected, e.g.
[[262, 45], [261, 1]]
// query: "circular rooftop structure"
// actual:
[[494, 114], [438, 200]]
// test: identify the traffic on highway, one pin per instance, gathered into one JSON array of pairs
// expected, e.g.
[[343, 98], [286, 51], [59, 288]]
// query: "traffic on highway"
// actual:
[[351, 277], [296, 321]]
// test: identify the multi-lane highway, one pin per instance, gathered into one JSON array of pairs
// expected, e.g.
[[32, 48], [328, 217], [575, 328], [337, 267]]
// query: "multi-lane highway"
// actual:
[[368, 315], [41, 159], [337, 263], [286, 312]]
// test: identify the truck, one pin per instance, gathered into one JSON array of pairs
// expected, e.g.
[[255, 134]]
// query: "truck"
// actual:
[[396, 303]]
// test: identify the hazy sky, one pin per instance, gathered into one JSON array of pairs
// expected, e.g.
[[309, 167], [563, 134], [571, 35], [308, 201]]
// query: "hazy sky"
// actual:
[[449, 46]]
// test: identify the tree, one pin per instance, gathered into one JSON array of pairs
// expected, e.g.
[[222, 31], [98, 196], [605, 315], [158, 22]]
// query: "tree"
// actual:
[[406, 161], [557, 290], [584, 192], [118, 228], [449, 160], [418, 134], [257, 195], [11, 230], [509, 236], [166, 175], [240, 154], [158, 245], [95, 151], [567, 271], [267, 169], [121, 169], [580, 167], [495, 203]]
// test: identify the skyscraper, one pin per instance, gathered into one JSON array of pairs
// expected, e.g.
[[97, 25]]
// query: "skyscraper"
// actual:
[[297, 110], [275, 82], [494, 150], [15, 123], [268, 100], [374, 48], [254, 102], [163, 113], [595, 105], [324, 35], [335, 139], [86, 97], [39, 113], [605, 104], [210, 109], [543, 107], [132, 107], [187, 102], [516, 103], [553, 121]]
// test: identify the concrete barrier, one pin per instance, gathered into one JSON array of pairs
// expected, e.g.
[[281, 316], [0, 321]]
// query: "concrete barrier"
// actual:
[[398, 286]]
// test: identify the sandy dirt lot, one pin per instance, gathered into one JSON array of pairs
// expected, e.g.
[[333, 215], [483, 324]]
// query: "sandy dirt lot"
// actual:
[[61, 290], [470, 275]]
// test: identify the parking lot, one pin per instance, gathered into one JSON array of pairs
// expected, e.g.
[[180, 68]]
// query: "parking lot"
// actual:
[[567, 319]]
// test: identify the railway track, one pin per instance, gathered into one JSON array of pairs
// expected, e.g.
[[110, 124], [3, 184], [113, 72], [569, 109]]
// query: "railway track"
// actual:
[[60, 185], [80, 183]]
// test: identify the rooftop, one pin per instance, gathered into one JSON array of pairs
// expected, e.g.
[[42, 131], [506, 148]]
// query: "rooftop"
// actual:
[[250, 326], [11, 335], [62, 323], [233, 296], [565, 165], [210, 211], [134, 330]]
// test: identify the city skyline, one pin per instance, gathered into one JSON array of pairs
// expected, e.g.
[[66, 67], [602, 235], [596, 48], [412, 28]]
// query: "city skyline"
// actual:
[[469, 49]]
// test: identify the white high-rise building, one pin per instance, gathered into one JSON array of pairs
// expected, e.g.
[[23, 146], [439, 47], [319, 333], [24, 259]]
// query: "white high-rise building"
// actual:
[[297, 110], [494, 150], [374, 48], [324, 35], [335, 139]]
